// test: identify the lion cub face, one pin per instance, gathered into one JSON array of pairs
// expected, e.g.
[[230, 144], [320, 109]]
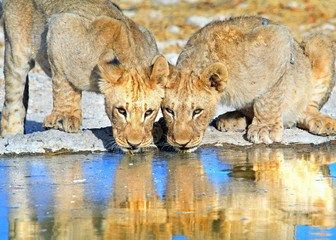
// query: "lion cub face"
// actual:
[[132, 99], [190, 103]]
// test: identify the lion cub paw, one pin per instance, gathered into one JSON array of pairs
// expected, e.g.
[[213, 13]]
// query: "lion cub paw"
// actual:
[[264, 133], [231, 121], [62, 121], [322, 125]]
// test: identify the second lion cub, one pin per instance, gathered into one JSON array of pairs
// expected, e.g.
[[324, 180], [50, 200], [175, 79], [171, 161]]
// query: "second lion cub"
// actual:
[[257, 67]]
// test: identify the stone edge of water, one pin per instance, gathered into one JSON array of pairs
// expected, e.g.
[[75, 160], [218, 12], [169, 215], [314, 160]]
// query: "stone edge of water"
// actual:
[[98, 140]]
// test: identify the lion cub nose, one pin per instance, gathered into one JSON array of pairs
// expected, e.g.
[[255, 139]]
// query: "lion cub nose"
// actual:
[[133, 145], [183, 144]]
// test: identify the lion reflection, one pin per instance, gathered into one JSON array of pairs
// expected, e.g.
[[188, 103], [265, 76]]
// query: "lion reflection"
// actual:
[[287, 188], [266, 194]]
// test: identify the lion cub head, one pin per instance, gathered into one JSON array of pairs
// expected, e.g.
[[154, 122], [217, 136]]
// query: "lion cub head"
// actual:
[[190, 103], [132, 98]]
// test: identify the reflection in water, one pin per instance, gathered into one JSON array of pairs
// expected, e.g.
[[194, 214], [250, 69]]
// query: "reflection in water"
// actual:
[[278, 190], [135, 210], [253, 193], [191, 198]]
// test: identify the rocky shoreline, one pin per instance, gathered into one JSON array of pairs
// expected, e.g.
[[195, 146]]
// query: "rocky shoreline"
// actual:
[[101, 140]]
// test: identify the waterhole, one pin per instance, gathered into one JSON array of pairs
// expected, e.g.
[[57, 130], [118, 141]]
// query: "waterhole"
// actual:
[[213, 193]]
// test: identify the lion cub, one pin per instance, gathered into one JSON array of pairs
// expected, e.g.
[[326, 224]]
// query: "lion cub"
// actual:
[[83, 45], [258, 68]]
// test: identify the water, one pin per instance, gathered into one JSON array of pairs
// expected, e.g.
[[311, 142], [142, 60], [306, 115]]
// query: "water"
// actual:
[[215, 193]]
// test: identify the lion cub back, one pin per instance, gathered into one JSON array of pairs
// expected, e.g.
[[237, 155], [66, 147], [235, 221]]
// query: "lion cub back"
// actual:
[[255, 52]]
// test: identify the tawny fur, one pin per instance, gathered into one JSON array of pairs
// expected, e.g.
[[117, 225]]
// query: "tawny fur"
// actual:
[[83, 45], [257, 67]]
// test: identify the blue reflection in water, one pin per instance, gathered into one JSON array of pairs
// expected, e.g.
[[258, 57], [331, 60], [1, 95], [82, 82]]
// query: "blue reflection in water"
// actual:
[[310, 233], [216, 171], [41, 189], [99, 174], [179, 238], [160, 175], [332, 169], [3, 201]]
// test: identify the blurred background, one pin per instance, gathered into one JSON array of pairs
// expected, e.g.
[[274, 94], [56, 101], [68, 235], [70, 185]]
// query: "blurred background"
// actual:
[[173, 21]]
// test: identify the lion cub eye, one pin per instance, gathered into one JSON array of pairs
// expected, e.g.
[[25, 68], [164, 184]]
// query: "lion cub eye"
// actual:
[[122, 111], [197, 111], [148, 113], [168, 110]]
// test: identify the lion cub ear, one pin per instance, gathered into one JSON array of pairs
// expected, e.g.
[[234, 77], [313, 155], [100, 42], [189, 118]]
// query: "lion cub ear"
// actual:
[[160, 70], [215, 76], [109, 66]]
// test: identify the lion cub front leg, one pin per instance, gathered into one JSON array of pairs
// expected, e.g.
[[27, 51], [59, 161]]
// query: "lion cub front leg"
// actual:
[[66, 114], [267, 126], [319, 50], [231, 121]]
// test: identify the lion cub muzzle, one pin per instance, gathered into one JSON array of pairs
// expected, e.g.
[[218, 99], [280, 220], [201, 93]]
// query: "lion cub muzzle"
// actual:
[[182, 137], [134, 138]]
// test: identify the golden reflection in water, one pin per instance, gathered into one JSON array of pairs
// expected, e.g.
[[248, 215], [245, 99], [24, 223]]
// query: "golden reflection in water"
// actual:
[[191, 199], [71, 219], [135, 209], [289, 188], [267, 193], [21, 225]]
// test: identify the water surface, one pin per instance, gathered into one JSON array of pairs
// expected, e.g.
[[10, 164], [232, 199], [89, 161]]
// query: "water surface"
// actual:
[[213, 193]]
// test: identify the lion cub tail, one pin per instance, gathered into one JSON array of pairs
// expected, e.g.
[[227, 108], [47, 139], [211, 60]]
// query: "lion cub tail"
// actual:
[[320, 51]]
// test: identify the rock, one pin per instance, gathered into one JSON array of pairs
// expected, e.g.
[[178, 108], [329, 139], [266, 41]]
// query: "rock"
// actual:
[[129, 13], [165, 2], [198, 21], [172, 42], [243, 5], [174, 29], [132, 1], [155, 15], [326, 27], [190, 1], [220, 18], [293, 5]]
